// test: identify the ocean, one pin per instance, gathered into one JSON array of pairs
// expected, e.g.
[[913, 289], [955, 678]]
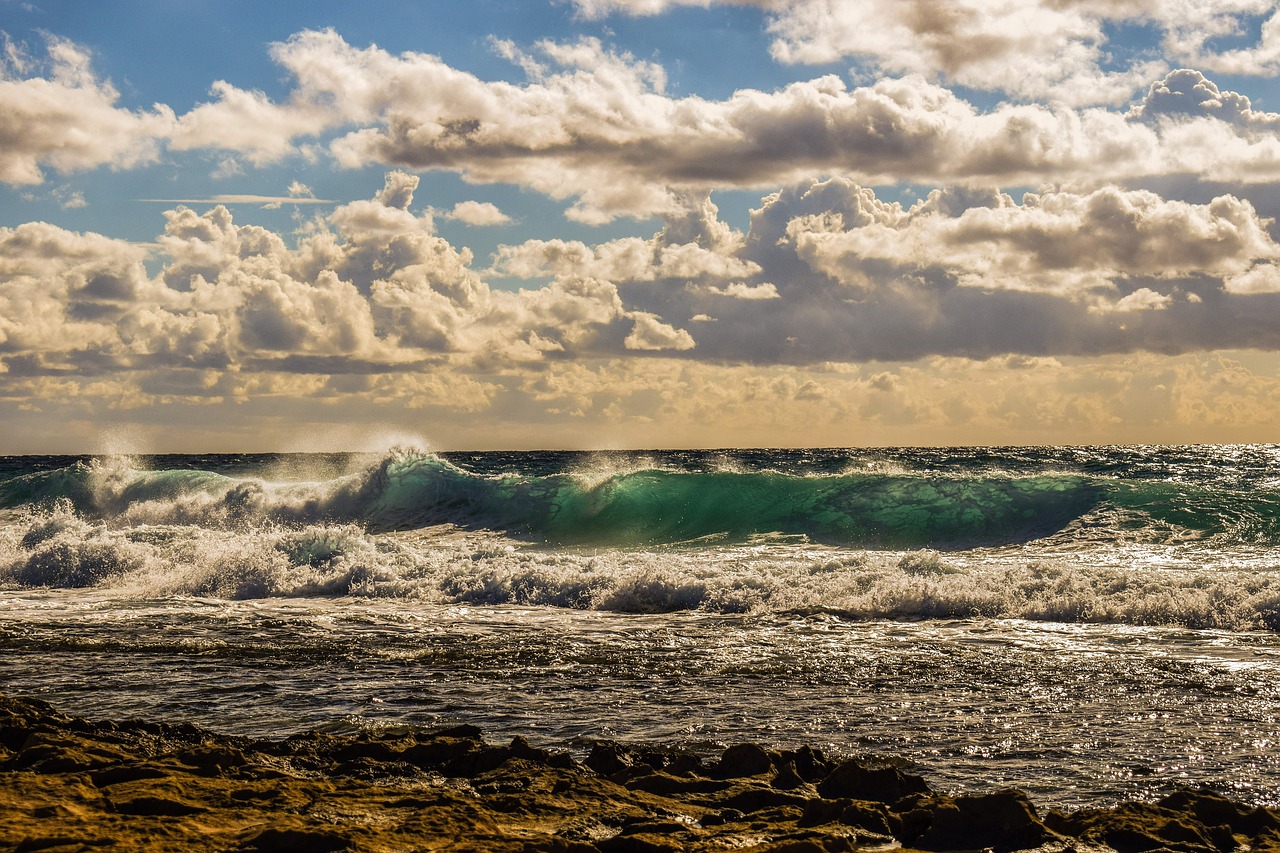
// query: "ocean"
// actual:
[[1088, 624]]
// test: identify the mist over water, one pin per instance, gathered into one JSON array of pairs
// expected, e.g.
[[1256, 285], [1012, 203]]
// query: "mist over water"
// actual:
[[1087, 623]]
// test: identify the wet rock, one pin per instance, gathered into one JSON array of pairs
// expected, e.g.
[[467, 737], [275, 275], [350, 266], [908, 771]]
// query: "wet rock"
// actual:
[[638, 844], [1138, 827], [758, 799], [1213, 809], [125, 773], [609, 759], [721, 817], [809, 763], [742, 760], [858, 781], [787, 778], [212, 759], [1001, 821], [153, 788], [273, 840], [157, 807], [664, 784]]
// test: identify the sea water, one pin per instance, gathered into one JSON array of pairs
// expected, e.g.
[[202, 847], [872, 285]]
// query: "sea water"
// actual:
[[1087, 624]]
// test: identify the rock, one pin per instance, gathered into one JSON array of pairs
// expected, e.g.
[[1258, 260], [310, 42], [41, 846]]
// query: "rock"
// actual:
[[608, 759], [273, 840], [1001, 821], [787, 778], [758, 799], [810, 764], [742, 760], [212, 759], [1213, 809], [157, 807], [125, 773], [638, 844], [664, 784], [1137, 827], [857, 781]]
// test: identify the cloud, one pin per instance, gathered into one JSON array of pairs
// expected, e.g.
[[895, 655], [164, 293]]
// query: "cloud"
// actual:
[[650, 333], [1186, 94], [478, 213], [738, 290], [828, 275], [232, 198], [1193, 27], [1055, 242], [69, 121], [369, 288], [1043, 49], [597, 127]]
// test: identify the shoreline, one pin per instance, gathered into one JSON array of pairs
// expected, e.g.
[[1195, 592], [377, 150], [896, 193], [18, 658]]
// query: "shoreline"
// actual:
[[73, 784]]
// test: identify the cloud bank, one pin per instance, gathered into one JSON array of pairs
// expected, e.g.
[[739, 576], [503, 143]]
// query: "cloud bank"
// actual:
[[1091, 248]]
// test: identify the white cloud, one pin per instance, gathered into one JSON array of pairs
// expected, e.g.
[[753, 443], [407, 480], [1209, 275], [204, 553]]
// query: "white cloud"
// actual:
[[596, 127], [1055, 49], [478, 213], [738, 290], [69, 120], [650, 333], [1055, 242], [232, 198]]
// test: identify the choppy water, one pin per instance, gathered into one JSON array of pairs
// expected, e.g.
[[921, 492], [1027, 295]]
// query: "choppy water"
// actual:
[[1088, 624]]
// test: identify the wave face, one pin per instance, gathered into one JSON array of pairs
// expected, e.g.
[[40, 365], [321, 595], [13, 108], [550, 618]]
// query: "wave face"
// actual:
[[1129, 535], [649, 505]]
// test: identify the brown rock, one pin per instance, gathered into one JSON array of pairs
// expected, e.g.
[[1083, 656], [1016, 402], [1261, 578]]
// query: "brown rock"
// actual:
[[273, 840], [741, 760], [858, 781], [1002, 821]]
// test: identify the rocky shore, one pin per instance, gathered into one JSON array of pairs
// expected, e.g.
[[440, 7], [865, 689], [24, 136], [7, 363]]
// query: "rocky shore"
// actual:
[[70, 784]]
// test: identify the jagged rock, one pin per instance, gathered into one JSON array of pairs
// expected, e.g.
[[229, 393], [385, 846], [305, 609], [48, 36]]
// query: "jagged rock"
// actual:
[[787, 778], [1213, 809], [857, 781], [1002, 821], [272, 840], [1139, 827], [608, 759], [157, 807], [744, 759], [809, 763], [73, 784]]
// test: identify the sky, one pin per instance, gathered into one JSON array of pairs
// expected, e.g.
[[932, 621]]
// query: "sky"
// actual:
[[606, 224]]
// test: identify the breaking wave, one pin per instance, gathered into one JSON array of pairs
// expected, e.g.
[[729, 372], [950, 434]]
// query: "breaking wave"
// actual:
[[410, 490], [863, 545]]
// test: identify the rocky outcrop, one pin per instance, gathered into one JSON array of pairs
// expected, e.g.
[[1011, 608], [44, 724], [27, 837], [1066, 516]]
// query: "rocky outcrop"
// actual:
[[69, 784]]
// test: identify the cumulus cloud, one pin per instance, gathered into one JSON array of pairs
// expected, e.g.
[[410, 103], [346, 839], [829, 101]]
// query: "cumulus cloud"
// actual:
[[1058, 49], [650, 333], [367, 289], [827, 272], [597, 127], [69, 120], [1056, 241], [1187, 94], [478, 213], [369, 299]]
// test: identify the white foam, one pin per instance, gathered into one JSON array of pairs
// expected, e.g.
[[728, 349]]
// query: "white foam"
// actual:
[[146, 555]]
